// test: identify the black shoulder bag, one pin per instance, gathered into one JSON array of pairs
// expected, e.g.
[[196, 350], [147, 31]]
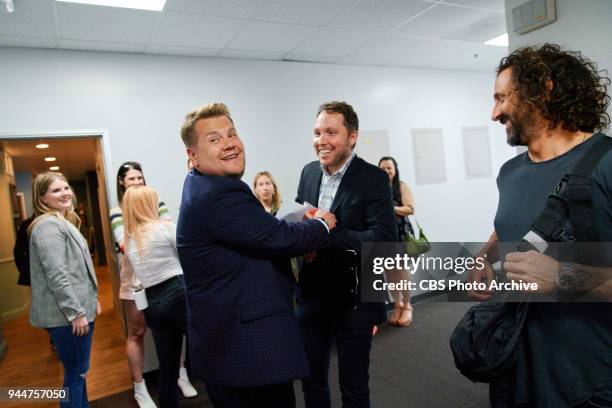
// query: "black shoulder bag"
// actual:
[[484, 342]]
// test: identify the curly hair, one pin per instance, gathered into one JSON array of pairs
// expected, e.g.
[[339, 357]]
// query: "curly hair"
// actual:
[[577, 99]]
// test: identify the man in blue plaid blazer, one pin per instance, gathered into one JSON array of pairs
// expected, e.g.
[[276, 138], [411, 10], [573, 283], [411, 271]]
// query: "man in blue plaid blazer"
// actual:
[[243, 335]]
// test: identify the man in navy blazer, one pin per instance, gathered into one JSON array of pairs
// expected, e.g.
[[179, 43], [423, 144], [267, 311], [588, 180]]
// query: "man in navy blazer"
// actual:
[[359, 195], [243, 335]]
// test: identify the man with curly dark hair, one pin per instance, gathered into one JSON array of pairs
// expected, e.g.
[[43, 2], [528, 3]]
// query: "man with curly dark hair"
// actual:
[[553, 102]]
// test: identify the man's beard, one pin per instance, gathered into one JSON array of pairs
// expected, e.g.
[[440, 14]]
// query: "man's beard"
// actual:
[[518, 134]]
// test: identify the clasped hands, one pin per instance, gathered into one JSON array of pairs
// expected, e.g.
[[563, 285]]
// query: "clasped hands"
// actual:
[[327, 217], [529, 267]]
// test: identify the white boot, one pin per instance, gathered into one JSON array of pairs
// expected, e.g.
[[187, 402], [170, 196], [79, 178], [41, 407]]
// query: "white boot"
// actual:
[[142, 397], [183, 382]]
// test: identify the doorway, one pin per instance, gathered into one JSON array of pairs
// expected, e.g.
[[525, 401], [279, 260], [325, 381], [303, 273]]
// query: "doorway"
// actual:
[[82, 158]]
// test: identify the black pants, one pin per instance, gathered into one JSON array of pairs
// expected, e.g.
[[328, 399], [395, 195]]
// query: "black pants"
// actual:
[[353, 347], [167, 318], [277, 396]]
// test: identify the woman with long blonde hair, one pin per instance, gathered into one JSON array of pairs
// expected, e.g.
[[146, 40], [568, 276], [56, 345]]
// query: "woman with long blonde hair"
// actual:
[[266, 191], [64, 284], [130, 174], [150, 246]]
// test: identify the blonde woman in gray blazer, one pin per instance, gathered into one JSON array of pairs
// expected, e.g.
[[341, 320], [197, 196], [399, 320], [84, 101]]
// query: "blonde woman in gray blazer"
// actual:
[[64, 284]]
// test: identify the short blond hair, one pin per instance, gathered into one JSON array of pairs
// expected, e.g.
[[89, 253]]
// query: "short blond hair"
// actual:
[[212, 110]]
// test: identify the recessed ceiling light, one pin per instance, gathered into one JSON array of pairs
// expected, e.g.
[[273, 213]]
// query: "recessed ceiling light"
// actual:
[[499, 41], [153, 5], [49, 159], [54, 168], [42, 146]]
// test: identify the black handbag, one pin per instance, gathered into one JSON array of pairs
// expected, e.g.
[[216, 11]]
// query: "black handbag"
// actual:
[[485, 340]]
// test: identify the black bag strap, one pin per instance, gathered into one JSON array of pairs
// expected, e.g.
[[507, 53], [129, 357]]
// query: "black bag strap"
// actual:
[[572, 197]]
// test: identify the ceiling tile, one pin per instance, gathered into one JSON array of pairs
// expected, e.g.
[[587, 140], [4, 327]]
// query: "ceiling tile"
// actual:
[[379, 15], [196, 30], [489, 65], [100, 46], [440, 21], [315, 12], [224, 8], [107, 24], [329, 44], [482, 30], [489, 57], [383, 49], [37, 42], [180, 50], [260, 36], [456, 56], [435, 51], [249, 54], [493, 5], [32, 18]]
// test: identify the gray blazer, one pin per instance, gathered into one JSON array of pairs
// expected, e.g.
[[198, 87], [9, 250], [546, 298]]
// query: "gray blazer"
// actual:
[[64, 283]]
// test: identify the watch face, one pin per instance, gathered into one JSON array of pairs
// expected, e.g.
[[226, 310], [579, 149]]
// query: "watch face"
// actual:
[[567, 281]]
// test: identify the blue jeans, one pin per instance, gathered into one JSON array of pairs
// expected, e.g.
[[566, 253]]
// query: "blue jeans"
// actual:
[[74, 352]]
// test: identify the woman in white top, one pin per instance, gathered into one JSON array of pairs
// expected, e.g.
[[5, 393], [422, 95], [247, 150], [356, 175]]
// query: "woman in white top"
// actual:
[[150, 246], [130, 174]]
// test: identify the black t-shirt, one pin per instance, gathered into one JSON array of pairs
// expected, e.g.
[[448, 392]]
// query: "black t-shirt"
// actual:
[[566, 355]]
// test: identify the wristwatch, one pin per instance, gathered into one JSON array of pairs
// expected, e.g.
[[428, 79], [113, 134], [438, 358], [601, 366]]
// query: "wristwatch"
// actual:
[[567, 279]]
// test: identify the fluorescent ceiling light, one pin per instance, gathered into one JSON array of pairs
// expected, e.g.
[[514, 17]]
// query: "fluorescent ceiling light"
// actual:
[[42, 146], [49, 159], [153, 5], [10, 6], [499, 41], [54, 168]]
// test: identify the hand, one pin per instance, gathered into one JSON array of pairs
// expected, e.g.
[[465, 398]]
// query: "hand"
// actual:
[[329, 218], [80, 326], [533, 267], [310, 213], [310, 256], [98, 308], [476, 275]]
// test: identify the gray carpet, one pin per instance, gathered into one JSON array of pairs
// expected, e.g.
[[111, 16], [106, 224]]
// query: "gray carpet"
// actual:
[[410, 367]]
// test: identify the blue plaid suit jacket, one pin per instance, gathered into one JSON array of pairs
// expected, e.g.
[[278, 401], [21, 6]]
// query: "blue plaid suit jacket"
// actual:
[[235, 256]]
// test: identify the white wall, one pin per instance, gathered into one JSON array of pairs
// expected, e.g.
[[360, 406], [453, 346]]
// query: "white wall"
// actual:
[[141, 100], [583, 25]]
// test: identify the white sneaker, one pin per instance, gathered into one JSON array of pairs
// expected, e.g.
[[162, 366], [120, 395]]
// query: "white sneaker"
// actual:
[[186, 388], [144, 401]]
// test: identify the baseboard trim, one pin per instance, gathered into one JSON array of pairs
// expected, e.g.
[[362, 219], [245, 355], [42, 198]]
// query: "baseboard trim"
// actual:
[[16, 313]]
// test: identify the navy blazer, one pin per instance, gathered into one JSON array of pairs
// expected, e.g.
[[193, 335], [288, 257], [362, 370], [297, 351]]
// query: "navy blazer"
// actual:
[[363, 207], [239, 286]]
